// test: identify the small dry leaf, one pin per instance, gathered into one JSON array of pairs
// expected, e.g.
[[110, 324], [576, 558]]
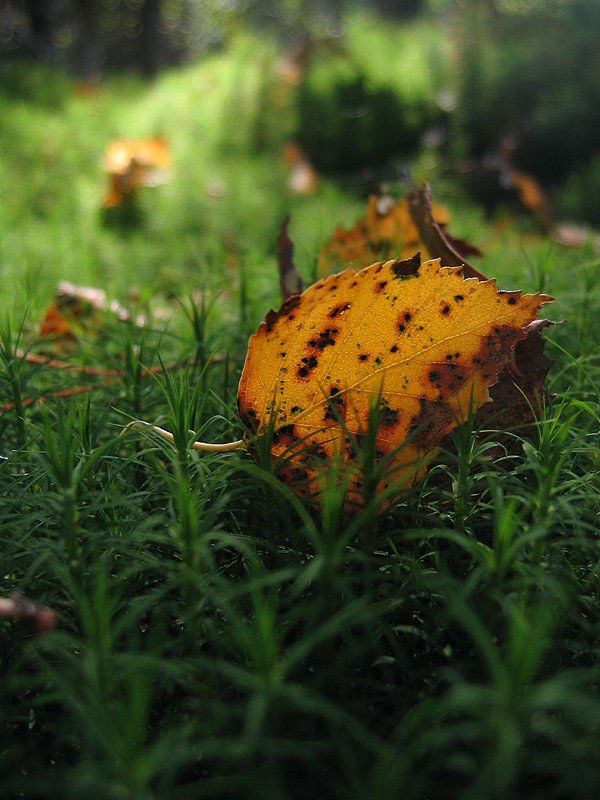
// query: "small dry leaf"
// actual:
[[570, 235], [532, 196], [131, 164], [78, 310], [420, 341]]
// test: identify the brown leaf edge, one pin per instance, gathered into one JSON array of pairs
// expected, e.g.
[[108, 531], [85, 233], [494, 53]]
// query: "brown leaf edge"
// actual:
[[519, 394]]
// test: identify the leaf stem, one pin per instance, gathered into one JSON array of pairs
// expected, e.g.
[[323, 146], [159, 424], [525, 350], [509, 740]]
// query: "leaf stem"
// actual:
[[207, 447]]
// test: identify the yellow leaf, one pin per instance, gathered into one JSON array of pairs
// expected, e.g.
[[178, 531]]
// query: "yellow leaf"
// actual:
[[386, 230], [131, 164], [419, 341]]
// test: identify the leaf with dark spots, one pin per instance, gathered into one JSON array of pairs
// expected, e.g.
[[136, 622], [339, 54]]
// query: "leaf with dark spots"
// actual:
[[430, 424], [336, 403], [318, 398], [307, 365], [326, 338], [286, 434], [249, 419], [389, 417]]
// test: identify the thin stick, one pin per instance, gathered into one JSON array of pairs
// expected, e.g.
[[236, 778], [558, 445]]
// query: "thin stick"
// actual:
[[109, 377], [53, 363], [206, 447], [62, 394]]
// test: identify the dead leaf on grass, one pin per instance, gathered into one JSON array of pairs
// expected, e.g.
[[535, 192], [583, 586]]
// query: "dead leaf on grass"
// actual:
[[418, 339], [391, 229]]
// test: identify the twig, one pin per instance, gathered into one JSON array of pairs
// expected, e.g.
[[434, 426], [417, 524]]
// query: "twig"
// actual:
[[109, 376], [63, 393], [52, 363]]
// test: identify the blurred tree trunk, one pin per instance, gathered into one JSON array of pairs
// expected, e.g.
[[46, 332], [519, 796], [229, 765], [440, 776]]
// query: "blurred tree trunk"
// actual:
[[405, 9], [87, 54], [155, 48], [41, 14]]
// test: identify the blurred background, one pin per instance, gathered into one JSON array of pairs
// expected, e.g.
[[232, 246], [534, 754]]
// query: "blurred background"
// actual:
[[262, 102], [490, 80]]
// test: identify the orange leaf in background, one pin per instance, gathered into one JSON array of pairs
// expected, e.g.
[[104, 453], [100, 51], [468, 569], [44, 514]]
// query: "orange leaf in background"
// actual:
[[56, 323], [420, 341], [77, 310], [131, 164], [387, 230], [67, 317]]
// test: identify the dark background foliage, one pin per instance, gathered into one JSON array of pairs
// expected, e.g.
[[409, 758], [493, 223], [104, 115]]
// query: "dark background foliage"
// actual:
[[525, 73]]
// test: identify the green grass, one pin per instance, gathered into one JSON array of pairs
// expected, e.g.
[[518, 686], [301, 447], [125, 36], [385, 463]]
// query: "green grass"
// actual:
[[215, 638]]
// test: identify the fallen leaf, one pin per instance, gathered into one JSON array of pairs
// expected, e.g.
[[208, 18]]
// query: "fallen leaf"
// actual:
[[570, 235], [420, 341], [78, 310], [532, 196], [519, 392], [387, 230], [131, 164]]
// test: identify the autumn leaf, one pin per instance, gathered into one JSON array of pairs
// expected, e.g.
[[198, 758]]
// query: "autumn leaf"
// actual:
[[131, 164], [519, 392], [420, 341], [78, 310], [69, 315], [387, 230]]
